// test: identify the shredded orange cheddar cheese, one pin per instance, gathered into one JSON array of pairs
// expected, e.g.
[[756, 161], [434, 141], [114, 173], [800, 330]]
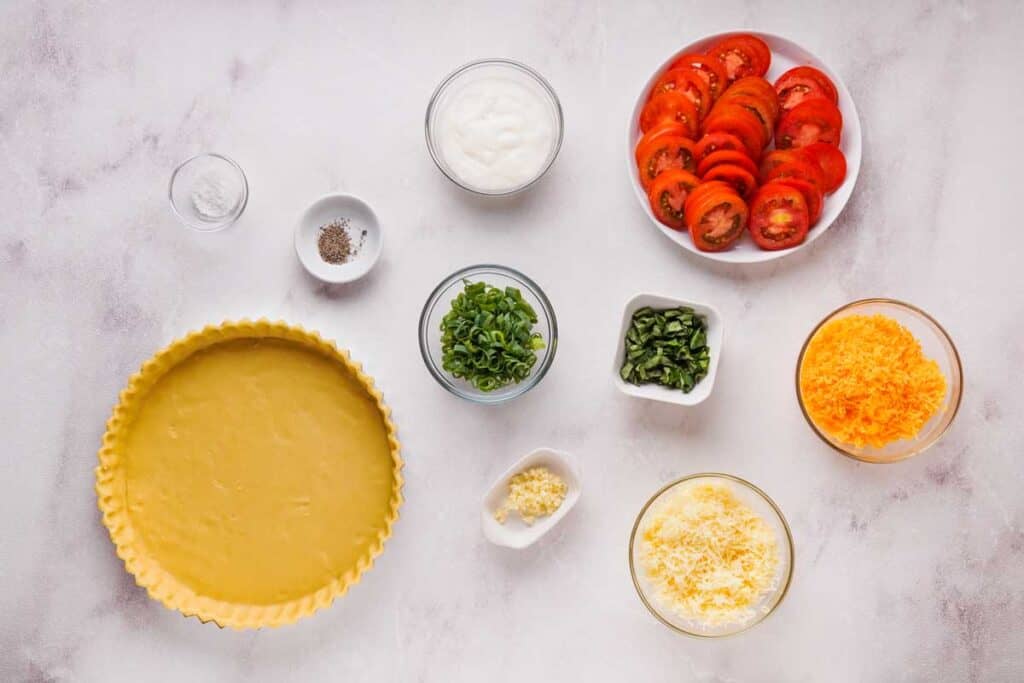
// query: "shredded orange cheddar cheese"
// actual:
[[865, 381], [709, 556]]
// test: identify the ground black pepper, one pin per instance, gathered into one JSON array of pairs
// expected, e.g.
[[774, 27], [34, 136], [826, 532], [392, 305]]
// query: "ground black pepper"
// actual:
[[335, 244]]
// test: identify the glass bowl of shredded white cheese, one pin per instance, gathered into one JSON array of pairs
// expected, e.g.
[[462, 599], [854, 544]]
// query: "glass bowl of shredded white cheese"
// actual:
[[711, 555]]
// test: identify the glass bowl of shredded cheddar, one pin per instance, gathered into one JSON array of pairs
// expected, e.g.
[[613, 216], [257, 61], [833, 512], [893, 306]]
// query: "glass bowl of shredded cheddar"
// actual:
[[711, 555], [879, 380]]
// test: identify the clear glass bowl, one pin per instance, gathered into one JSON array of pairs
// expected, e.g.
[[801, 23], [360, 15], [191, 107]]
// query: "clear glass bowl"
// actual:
[[487, 68], [439, 303], [214, 176], [760, 503], [935, 343]]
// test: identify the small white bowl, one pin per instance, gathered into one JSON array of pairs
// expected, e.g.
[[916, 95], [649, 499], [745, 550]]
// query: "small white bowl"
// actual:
[[361, 217], [515, 533], [656, 392]]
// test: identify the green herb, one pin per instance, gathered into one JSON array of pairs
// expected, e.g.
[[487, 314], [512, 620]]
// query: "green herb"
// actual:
[[487, 338], [667, 347]]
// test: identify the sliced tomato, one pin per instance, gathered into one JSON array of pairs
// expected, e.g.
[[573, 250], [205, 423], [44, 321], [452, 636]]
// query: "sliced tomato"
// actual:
[[716, 216], [804, 83], [777, 157], [755, 105], [725, 156], [663, 154], [709, 68], [830, 160], [778, 217], [715, 142], [812, 195], [802, 168], [742, 55], [760, 88], [811, 121], [687, 80], [744, 182], [668, 196], [661, 130], [740, 122], [668, 107]]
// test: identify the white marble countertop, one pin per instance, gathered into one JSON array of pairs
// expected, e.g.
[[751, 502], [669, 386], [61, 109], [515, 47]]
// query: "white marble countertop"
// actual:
[[907, 572]]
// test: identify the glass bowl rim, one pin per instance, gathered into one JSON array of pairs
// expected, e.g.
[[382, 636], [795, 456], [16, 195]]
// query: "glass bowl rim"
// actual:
[[499, 61], [957, 363], [754, 489], [522, 387], [228, 220]]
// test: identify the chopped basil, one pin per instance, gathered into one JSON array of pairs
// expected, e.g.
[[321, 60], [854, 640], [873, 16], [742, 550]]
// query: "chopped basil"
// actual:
[[667, 347]]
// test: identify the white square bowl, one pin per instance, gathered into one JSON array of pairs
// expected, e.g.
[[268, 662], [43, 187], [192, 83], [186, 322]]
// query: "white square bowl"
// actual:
[[515, 533], [656, 392]]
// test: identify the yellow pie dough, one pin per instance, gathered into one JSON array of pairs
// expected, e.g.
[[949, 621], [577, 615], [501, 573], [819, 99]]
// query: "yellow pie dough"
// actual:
[[249, 474]]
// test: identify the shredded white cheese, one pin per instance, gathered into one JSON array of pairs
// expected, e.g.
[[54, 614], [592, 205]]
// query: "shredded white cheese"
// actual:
[[708, 556]]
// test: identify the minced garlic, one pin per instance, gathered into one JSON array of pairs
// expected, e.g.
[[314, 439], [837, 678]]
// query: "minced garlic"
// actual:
[[865, 381], [708, 556], [533, 493]]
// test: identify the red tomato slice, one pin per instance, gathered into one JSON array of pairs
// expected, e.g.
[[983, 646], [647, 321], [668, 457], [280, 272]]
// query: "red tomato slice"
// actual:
[[759, 88], [742, 55], [802, 167], [777, 157], [708, 68], [778, 217], [662, 154], [755, 105], [815, 120], [739, 122], [658, 131], [831, 161], [668, 196], [716, 217], [688, 81], [741, 179], [725, 156], [669, 107], [812, 195], [804, 83], [714, 142]]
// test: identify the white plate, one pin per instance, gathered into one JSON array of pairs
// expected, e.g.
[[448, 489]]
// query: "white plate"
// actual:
[[361, 217], [785, 55], [515, 533], [656, 392]]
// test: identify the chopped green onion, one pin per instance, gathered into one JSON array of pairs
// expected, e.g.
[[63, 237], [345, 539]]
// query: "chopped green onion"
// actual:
[[487, 337]]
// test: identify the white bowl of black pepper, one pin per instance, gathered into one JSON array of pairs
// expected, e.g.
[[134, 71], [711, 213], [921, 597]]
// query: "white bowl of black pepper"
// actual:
[[338, 239]]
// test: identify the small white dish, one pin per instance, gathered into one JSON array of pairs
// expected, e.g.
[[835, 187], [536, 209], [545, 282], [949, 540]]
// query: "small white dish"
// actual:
[[515, 533], [361, 218], [785, 55], [656, 392]]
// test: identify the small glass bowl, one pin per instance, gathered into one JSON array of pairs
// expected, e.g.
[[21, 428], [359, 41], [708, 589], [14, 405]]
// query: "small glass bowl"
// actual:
[[760, 503], [198, 169], [492, 67], [935, 343], [439, 303]]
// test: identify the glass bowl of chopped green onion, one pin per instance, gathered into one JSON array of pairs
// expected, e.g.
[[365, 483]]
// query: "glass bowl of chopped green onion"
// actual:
[[488, 334], [668, 349]]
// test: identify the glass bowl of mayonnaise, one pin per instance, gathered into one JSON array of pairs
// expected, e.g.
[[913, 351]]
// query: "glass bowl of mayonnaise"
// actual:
[[494, 127]]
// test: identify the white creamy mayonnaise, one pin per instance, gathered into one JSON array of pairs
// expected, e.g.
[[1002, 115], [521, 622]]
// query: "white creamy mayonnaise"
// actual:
[[495, 133]]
